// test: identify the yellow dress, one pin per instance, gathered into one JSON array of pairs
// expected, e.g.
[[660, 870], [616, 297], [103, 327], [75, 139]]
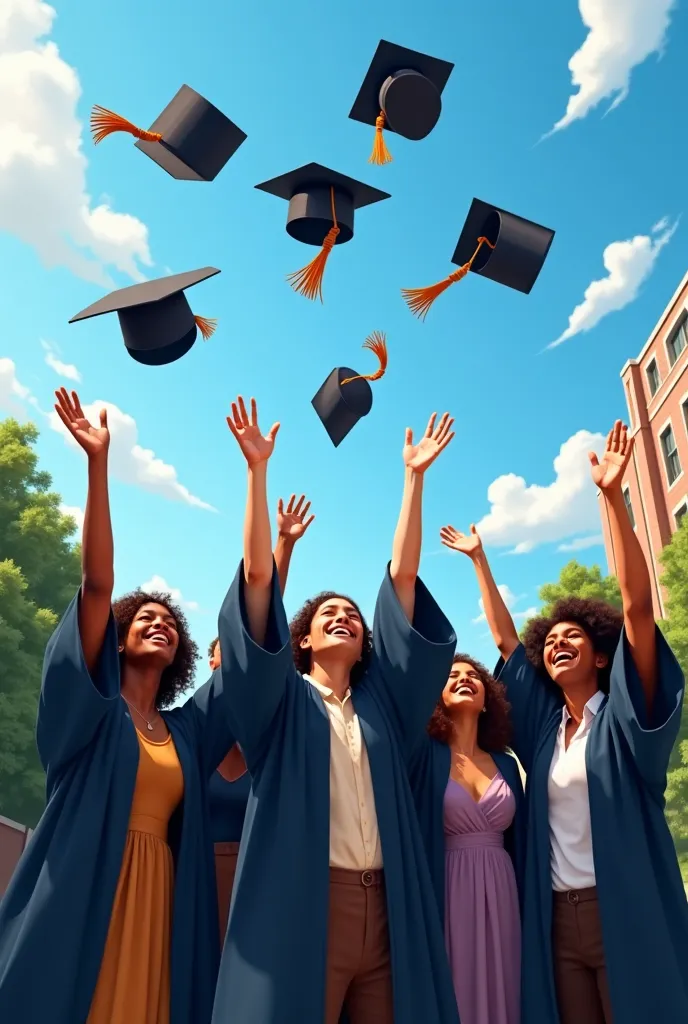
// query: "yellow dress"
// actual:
[[134, 981]]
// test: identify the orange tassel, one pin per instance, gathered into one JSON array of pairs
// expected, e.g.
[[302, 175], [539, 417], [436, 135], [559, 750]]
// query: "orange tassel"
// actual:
[[104, 122], [308, 280], [377, 343], [206, 327], [420, 300], [380, 155]]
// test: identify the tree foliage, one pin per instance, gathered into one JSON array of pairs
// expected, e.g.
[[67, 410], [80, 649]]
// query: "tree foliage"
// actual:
[[39, 573], [576, 580]]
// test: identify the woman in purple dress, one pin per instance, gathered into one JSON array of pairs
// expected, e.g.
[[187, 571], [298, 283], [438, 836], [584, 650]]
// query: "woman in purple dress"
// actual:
[[469, 796]]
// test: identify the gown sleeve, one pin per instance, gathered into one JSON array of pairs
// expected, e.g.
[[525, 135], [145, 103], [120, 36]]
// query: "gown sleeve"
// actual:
[[533, 701], [73, 702], [255, 678], [650, 737], [411, 661], [209, 707]]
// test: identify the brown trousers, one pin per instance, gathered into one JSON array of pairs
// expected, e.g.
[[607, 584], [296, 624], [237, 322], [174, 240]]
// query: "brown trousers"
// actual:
[[359, 970], [580, 973], [225, 869]]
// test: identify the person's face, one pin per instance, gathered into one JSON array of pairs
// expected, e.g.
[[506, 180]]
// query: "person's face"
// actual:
[[215, 659], [464, 691], [336, 629], [152, 636], [569, 656]]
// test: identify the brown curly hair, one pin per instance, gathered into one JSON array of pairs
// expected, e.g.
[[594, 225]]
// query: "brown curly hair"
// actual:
[[177, 677], [213, 645], [300, 627], [494, 726], [601, 623]]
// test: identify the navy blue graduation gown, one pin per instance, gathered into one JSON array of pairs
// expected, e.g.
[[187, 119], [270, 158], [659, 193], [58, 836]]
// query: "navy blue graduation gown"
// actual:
[[228, 802], [274, 959], [429, 772], [643, 909], [55, 914]]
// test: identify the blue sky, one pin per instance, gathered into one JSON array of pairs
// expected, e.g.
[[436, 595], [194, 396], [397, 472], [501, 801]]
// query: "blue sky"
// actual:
[[288, 74]]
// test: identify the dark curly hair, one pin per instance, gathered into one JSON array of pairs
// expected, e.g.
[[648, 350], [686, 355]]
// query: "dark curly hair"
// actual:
[[177, 677], [601, 623], [300, 627], [213, 645], [494, 726]]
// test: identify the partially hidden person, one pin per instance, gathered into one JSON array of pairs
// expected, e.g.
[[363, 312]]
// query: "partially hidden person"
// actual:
[[469, 795], [596, 697], [111, 916], [230, 785], [333, 907]]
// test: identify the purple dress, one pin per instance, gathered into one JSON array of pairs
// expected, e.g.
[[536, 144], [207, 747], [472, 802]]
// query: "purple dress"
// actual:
[[482, 921]]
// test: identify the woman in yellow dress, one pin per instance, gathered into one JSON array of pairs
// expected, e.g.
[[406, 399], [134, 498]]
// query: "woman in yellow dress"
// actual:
[[114, 901]]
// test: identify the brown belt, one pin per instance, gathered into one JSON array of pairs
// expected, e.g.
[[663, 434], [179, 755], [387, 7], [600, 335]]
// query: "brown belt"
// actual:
[[342, 876], [575, 896]]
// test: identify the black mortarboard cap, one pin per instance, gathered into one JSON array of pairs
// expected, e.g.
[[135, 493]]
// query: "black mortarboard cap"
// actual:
[[321, 212], [155, 317], [192, 140], [346, 396], [402, 92]]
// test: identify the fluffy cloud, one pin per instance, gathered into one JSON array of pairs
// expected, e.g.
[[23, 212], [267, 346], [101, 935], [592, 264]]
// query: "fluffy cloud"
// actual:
[[67, 370], [525, 515], [12, 393], [621, 35], [582, 543], [628, 264], [76, 513], [510, 600], [43, 194], [160, 584], [131, 463]]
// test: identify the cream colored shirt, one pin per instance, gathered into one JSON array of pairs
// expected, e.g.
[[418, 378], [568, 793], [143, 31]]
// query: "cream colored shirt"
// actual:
[[354, 836]]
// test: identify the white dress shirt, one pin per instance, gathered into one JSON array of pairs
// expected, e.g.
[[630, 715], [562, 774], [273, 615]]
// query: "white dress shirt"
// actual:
[[570, 833]]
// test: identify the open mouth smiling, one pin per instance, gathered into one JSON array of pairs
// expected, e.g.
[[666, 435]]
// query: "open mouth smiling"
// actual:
[[158, 637], [464, 690], [340, 630], [562, 657]]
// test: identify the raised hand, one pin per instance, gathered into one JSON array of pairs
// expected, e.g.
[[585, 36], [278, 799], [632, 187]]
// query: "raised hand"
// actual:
[[292, 522], [255, 447], [94, 440], [418, 457], [468, 544], [608, 473]]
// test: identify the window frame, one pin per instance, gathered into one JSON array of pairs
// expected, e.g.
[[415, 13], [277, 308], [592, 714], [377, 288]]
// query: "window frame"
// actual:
[[667, 427], [653, 363], [679, 330], [626, 492]]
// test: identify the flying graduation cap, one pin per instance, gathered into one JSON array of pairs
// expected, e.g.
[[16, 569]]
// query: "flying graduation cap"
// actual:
[[321, 212], [493, 243], [402, 92], [155, 317], [192, 140], [346, 396]]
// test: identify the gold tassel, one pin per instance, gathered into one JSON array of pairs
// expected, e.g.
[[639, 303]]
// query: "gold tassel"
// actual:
[[104, 122], [420, 300], [380, 155], [206, 327], [308, 280], [377, 343]]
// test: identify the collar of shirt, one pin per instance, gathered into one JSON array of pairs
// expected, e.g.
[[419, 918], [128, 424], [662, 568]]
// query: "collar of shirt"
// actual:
[[589, 711], [325, 691]]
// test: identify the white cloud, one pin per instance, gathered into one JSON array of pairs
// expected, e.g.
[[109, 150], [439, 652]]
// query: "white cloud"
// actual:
[[43, 193], [510, 600], [160, 584], [582, 543], [76, 513], [526, 515], [12, 393], [67, 370], [628, 264], [131, 463], [621, 35], [527, 614]]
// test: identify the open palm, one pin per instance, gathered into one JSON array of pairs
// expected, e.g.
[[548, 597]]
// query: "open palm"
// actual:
[[255, 447], [435, 439], [94, 440], [292, 522], [468, 544], [608, 472]]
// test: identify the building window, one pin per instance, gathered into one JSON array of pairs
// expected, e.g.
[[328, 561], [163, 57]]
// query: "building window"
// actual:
[[685, 413], [678, 341], [680, 513], [670, 452], [652, 377], [629, 403], [629, 506]]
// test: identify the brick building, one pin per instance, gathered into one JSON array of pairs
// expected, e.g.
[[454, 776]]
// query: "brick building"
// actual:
[[13, 839]]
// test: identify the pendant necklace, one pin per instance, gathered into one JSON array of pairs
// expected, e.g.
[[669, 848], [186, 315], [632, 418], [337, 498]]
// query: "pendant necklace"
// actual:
[[148, 724]]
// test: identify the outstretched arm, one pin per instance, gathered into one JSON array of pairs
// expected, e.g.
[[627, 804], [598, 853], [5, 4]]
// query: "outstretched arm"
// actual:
[[631, 567], [258, 563], [408, 535], [291, 526], [497, 614], [97, 549]]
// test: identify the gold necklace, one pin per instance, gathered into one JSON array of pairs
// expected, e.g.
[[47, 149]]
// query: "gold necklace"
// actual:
[[148, 724]]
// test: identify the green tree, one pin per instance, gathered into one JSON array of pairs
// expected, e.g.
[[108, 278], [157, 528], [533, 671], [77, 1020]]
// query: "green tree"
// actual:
[[576, 580], [39, 573]]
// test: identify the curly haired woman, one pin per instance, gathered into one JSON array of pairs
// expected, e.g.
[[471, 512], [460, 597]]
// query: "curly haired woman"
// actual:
[[111, 916], [469, 796], [596, 699], [333, 907]]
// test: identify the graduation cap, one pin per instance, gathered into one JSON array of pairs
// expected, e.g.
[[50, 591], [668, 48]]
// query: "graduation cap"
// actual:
[[402, 91], [192, 140], [493, 243], [321, 212], [156, 320], [346, 396]]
